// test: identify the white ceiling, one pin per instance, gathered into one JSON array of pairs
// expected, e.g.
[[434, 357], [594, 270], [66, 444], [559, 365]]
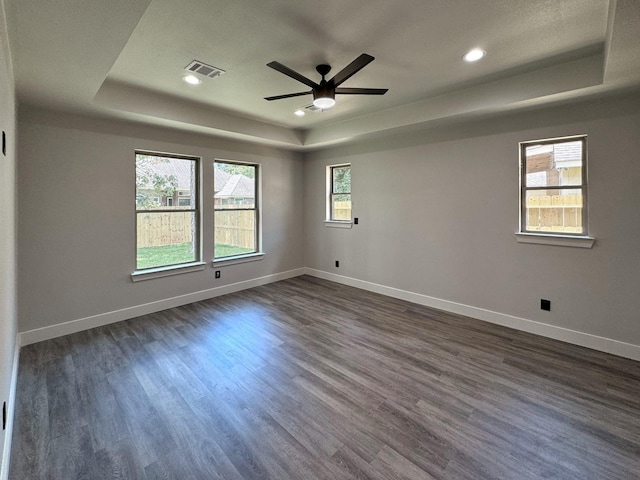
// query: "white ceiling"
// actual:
[[126, 60]]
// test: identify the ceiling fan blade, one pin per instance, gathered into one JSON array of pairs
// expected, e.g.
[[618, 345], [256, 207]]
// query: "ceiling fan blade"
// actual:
[[344, 74], [288, 95], [293, 74], [361, 91]]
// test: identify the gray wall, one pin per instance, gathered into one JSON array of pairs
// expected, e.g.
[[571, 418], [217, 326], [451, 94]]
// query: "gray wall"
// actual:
[[76, 184], [8, 314], [438, 210]]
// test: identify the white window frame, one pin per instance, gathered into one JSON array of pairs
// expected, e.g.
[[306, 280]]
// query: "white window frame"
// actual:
[[569, 239], [329, 220], [258, 254]]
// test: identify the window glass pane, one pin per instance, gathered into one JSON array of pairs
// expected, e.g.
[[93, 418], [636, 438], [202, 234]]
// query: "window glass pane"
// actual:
[[554, 211], [165, 183], [235, 232], [165, 238], [341, 179], [341, 207], [555, 164]]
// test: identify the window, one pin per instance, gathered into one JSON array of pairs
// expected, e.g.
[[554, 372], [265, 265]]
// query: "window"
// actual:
[[339, 193], [553, 186], [167, 234], [236, 209]]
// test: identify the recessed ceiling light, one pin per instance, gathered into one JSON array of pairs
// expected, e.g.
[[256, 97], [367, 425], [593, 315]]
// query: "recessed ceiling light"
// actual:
[[474, 55], [192, 79], [299, 113]]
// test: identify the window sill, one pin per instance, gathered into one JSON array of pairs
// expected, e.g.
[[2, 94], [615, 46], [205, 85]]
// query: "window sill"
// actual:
[[559, 240], [226, 261], [338, 223], [151, 273]]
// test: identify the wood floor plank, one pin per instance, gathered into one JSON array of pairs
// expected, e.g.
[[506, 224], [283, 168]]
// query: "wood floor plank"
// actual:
[[71, 456], [396, 466], [306, 379], [119, 462], [152, 438]]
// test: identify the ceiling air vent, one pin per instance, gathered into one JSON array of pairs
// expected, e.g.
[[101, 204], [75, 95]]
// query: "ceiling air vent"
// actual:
[[204, 69]]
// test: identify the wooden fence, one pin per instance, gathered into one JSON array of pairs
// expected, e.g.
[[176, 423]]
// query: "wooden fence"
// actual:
[[235, 228], [342, 210], [555, 213], [157, 229]]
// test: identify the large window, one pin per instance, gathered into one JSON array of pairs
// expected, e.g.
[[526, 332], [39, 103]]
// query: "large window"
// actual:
[[339, 193], [236, 209], [167, 230], [553, 186]]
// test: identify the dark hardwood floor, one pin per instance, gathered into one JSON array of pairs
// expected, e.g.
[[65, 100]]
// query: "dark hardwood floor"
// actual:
[[307, 379]]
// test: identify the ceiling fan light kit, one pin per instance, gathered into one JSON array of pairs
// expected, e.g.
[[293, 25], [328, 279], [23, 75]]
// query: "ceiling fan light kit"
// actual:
[[324, 102], [324, 93]]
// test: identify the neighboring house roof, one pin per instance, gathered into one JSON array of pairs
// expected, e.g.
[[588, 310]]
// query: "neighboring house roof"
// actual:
[[220, 179], [237, 186]]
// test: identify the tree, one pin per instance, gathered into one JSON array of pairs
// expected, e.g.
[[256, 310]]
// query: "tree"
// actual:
[[151, 185], [342, 179], [234, 169]]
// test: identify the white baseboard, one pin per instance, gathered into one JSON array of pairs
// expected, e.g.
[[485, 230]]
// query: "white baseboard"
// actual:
[[11, 401], [603, 344], [73, 326]]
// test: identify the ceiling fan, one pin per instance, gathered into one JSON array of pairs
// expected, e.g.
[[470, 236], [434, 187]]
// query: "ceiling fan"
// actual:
[[324, 92]]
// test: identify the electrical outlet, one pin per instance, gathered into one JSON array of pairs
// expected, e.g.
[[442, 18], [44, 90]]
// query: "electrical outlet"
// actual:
[[4, 415], [218, 274], [545, 304], [337, 263], [355, 221]]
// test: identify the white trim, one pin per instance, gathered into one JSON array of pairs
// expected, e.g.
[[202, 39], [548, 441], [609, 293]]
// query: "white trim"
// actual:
[[237, 259], [603, 344], [11, 402], [337, 224], [140, 275], [559, 240], [73, 326]]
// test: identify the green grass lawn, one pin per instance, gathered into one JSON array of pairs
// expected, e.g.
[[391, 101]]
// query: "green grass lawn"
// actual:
[[149, 257], [229, 250]]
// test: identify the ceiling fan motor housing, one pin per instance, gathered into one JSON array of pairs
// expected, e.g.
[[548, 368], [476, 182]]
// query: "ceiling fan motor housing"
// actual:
[[324, 91]]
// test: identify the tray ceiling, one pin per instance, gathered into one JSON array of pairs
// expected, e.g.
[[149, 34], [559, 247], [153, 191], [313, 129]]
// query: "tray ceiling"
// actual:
[[126, 60]]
